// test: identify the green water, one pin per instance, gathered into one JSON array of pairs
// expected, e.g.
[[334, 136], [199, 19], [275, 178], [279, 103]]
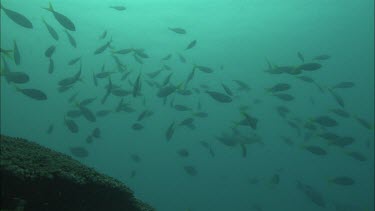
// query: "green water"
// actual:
[[238, 40]]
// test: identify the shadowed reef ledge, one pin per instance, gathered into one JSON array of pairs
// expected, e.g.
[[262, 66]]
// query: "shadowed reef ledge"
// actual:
[[37, 178]]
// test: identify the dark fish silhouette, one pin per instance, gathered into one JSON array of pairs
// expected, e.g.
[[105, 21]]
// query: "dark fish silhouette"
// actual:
[[17, 17], [62, 19]]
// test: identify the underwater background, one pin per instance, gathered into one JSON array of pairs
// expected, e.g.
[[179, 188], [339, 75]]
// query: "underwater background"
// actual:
[[244, 146]]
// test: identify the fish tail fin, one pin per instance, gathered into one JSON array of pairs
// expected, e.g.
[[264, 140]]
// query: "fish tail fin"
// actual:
[[49, 8]]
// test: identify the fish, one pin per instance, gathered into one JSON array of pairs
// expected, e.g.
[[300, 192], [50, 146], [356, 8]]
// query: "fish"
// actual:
[[104, 74], [35, 94], [309, 66], [300, 56], [167, 90], [170, 131], [16, 53], [137, 126], [167, 57], [340, 112], [89, 139], [178, 30], [16, 77], [74, 113], [183, 153], [275, 179], [123, 51], [71, 125], [322, 57], [251, 121], [62, 19], [79, 152], [69, 81], [325, 121], [144, 114], [87, 113], [50, 129], [71, 39], [74, 60], [136, 158], [284, 96], [279, 87], [51, 30], [342, 180], [219, 97], [137, 86], [17, 17], [227, 90], [343, 85], [204, 69], [242, 86], [191, 45], [141, 53], [181, 58], [341, 141], [191, 170], [356, 155], [337, 97], [282, 111], [118, 8], [200, 114], [312, 194], [181, 108], [102, 113], [287, 140], [51, 66], [103, 35], [364, 123], [137, 59], [317, 150], [155, 73], [167, 79], [120, 92], [49, 51], [102, 48]]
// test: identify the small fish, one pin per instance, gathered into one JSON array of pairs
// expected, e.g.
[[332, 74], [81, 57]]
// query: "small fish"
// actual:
[[62, 19], [74, 60], [49, 51], [170, 131], [50, 129], [17, 17], [325, 121], [118, 8], [51, 66], [102, 113], [242, 86], [182, 108], [136, 158], [275, 179], [71, 125], [87, 113], [141, 53], [279, 87], [74, 113], [183, 152], [322, 57], [190, 170], [251, 121], [309, 66], [51, 30], [155, 73], [364, 123], [71, 39], [79, 152], [103, 35], [342, 141], [201, 114], [102, 48], [124, 51], [137, 86], [317, 150], [284, 96], [342, 180], [167, 57], [204, 69], [191, 44], [89, 139], [167, 90], [35, 94], [357, 155], [337, 97], [181, 58], [219, 97], [300, 56], [16, 77], [344, 85], [282, 111], [16, 53], [227, 90], [340, 112], [178, 30], [137, 126]]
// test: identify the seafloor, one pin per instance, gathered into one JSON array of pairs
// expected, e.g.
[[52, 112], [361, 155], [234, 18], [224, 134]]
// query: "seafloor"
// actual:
[[37, 178]]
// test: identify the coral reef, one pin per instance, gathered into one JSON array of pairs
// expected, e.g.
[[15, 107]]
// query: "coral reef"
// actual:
[[37, 178]]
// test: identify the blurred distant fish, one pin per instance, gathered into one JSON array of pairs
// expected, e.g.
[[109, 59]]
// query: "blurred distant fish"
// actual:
[[178, 30], [71, 39], [16, 53], [325, 121], [49, 51], [337, 97], [74, 60], [51, 66], [317, 150], [278, 87], [119, 8], [204, 68], [35, 94], [322, 57], [17, 17], [170, 131], [71, 125], [312, 194], [191, 45], [342, 180], [50, 129], [364, 123], [51, 30], [343, 85], [102, 48], [183, 152], [340, 112], [190, 170], [242, 86], [79, 152], [103, 35], [181, 58], [309, 66], [284, 96], [300, 56], [219, 97], [62, 19]]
